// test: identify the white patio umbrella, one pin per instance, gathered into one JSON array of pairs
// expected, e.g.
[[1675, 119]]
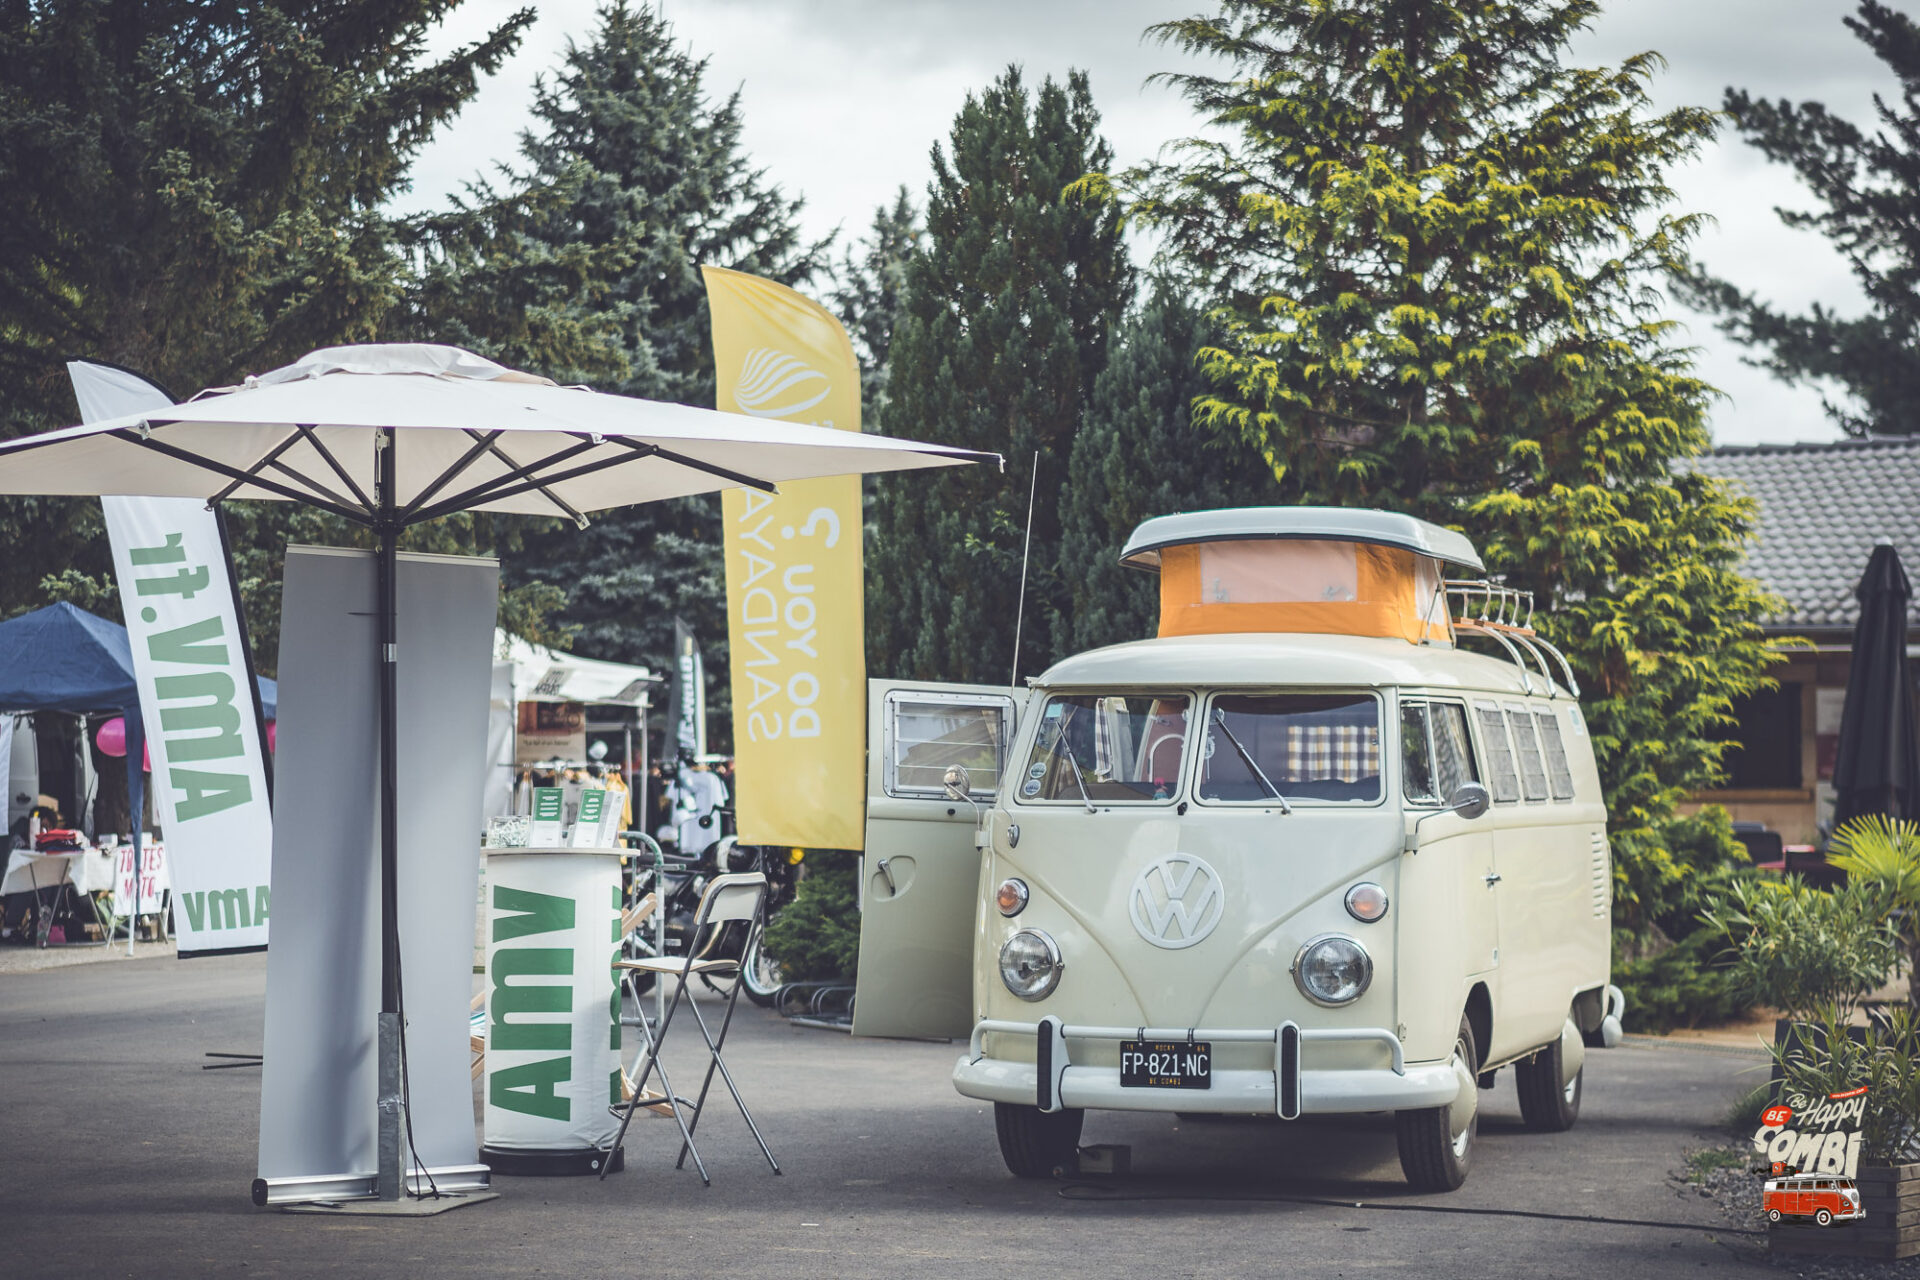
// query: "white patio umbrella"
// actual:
[[395, 435]]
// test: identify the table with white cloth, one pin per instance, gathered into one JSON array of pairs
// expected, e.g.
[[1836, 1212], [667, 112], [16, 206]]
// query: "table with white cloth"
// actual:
[[94, 870]]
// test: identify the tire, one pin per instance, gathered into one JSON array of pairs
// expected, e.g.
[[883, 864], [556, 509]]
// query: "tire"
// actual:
[[1436, 1144], [1823, 1217], [760, 973], [1546, 1105], [1036, 1144], [1773, 1215]]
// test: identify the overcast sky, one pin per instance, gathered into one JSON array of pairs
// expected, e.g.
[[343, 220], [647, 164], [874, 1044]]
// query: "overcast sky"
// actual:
[[843, 98]]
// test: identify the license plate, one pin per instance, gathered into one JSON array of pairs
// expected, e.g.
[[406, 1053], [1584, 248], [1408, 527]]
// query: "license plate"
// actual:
[[1166, 1064]]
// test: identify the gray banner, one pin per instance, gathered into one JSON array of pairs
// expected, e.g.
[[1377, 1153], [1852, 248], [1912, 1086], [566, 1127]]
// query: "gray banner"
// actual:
[[317, 1116]]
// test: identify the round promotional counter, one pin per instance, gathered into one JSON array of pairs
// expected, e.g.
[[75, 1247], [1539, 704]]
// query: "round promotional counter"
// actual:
[[553, 1010]]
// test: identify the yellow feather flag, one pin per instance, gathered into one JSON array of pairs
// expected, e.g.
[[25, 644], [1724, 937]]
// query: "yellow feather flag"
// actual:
[[796, 613]]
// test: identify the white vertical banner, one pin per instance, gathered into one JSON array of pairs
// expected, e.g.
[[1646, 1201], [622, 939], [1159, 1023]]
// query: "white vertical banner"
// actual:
[[209, 782]]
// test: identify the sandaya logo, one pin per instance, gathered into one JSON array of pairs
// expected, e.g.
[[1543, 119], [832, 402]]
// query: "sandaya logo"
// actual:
[[773, 384]]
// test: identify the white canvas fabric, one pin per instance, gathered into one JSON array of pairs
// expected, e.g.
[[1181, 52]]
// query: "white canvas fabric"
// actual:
[[436, 399]]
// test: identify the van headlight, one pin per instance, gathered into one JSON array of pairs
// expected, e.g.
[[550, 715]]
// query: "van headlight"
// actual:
[[1030, 965], [1332, 969]]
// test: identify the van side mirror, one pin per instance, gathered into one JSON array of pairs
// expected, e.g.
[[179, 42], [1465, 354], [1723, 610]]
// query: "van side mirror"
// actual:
[[960, 787], [1469, 799]]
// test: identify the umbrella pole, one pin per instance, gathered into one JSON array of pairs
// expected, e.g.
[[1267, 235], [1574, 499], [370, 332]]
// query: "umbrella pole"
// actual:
[[390, 1092]]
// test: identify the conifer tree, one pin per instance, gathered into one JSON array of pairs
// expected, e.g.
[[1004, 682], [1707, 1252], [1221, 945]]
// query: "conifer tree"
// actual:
[[869, 293], [587, 267], [1139, 455], [1870, 185], [198, 191], [1005, 327], [1431, 243]]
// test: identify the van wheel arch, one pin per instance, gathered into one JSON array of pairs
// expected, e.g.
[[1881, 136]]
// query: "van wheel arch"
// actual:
[[1479, 1016]]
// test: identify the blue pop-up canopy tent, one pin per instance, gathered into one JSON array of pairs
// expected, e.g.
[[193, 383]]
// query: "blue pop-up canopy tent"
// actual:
[[65, 659]]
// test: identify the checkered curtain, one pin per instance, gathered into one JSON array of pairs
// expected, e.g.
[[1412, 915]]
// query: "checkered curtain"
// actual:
[[1338, 752]]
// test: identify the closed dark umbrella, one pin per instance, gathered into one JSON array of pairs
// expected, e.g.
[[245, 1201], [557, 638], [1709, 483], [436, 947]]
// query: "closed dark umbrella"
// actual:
[[1878, 766]]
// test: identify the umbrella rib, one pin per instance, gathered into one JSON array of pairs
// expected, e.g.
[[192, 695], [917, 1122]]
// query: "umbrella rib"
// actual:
[[234, 473], [655, 451], [321, 449], [545, 492], [507, 485], [330, 495], [493, 491], [293, 438], [440, 481]]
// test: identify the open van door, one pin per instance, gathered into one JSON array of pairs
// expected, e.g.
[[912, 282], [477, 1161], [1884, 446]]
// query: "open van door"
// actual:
[[920, 872]]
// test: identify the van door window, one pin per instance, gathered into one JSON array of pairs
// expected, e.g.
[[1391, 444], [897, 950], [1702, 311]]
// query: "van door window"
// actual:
[[928, 732], [1526, 745], [1452, 747], [1311, 747], [1417, 782], [1493, 736], [1558, 772], [1107, 748]]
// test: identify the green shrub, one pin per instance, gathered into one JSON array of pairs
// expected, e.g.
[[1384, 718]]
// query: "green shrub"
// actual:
[[1685, 984], [816, 937], [1666, 960], [1804, 951]]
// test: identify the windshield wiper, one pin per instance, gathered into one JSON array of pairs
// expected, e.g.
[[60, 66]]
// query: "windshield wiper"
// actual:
[[1059, 741], [1220, 718]]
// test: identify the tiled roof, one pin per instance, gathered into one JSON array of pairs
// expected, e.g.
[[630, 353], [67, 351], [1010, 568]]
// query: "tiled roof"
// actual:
[[1822, 508]]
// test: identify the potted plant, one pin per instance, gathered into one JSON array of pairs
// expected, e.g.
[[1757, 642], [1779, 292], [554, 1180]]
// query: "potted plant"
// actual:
[[1816, 956]]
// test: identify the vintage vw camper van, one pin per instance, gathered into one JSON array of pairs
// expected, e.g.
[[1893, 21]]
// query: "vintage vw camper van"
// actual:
[[1305, 852]]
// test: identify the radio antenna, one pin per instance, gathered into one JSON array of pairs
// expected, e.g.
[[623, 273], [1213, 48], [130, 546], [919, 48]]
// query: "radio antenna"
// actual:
[[1020, 608]]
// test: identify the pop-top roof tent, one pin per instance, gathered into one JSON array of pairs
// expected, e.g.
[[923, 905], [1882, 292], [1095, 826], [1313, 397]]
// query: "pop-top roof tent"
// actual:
[[1330, 571]]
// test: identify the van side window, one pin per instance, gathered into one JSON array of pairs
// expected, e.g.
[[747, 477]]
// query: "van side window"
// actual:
[[1533, 771], [1416, 756], [1493, 735], [1557, 769], [1452, 747]]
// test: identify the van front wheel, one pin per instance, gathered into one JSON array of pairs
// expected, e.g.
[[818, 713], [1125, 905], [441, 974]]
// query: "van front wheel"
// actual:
[[1547, 1105], [1436, 1143], [1033, 1142]]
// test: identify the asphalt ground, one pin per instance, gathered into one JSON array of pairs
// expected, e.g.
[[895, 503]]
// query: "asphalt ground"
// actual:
[[119, 1156]]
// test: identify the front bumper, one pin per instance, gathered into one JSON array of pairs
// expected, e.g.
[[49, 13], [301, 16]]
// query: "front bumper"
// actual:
[[1291, 1089]]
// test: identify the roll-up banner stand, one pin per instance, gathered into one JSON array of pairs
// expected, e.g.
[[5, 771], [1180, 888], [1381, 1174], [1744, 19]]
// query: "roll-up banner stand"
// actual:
[[199, 703], [318, 1126], [553, 1010]]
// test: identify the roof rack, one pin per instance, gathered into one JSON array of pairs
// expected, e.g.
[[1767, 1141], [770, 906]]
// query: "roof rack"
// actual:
[[1505, 615]]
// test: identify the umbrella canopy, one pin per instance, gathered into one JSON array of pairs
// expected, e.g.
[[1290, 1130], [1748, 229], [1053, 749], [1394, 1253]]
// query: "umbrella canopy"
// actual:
[[1877, 769], [467, 435]]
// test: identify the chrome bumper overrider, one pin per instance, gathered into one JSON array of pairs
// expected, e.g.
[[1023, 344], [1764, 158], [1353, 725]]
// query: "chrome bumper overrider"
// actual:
[[1290, 1089]]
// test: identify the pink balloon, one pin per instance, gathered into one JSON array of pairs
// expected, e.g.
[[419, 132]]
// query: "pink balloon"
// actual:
[[272, 733], [111, 737]]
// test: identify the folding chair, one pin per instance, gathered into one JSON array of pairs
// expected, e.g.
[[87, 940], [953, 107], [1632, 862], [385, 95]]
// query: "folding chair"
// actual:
[[729, 898]]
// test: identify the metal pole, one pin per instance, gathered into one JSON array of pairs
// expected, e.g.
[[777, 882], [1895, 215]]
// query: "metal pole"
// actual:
[[1020, 606], [389, 1092]]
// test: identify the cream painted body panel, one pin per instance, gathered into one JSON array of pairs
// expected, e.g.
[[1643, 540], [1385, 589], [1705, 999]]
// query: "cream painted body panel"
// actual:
[[1515, 901]]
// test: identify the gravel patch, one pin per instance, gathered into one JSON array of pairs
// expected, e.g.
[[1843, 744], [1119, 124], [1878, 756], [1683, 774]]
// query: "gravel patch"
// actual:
[[28, 959], [1722, 1174]]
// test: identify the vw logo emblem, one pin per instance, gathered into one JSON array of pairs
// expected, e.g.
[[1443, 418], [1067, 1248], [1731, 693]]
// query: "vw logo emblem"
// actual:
[[1176, 901]]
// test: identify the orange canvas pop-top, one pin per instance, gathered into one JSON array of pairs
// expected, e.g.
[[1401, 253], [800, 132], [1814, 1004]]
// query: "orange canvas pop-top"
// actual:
[[1300, 569]]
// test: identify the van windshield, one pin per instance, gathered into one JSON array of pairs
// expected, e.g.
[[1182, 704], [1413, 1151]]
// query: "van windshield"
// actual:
[[1123, 747], [1312, 747]]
